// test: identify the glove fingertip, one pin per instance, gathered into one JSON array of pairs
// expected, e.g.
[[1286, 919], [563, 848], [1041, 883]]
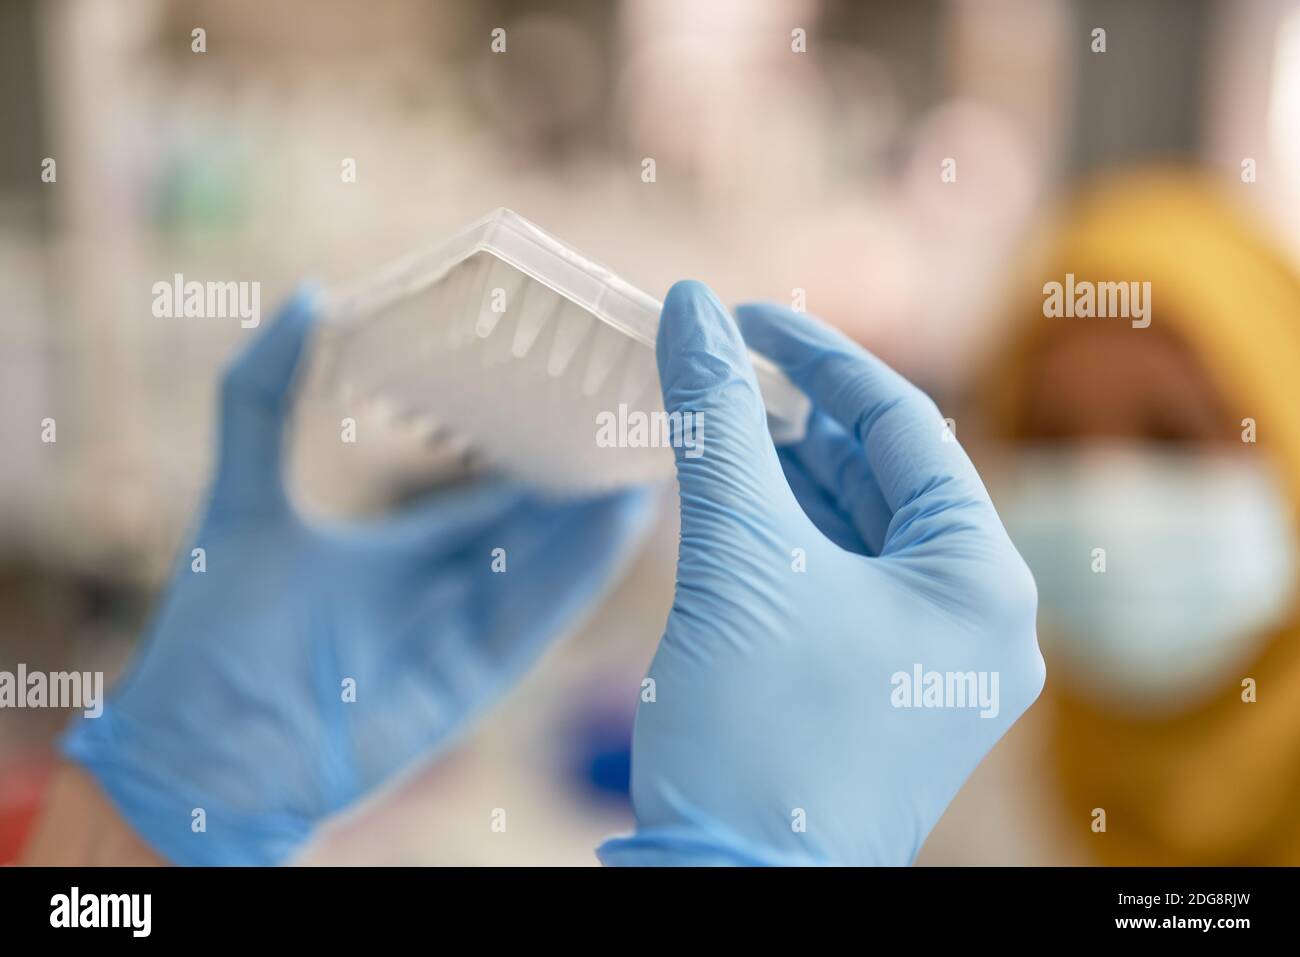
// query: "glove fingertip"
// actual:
[[784, 335], [699, 346], [268, 363]]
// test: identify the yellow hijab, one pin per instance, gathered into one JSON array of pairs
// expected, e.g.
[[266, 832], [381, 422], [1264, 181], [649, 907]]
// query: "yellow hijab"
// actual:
[[1220, 784]]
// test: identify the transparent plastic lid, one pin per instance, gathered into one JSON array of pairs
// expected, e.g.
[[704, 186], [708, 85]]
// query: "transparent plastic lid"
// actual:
[[538, 358]]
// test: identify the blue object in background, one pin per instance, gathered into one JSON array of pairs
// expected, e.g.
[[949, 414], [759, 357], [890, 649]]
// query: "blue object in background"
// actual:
[[601, 753]]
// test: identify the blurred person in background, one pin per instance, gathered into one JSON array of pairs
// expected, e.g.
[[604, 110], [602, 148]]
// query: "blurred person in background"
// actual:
[[1152, 487]]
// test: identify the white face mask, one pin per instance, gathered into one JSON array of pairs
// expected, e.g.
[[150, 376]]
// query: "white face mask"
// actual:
[[1199, 559]]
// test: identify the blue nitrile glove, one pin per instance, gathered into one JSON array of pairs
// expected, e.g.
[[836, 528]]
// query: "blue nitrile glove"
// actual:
[[780, 730], [238, 703]]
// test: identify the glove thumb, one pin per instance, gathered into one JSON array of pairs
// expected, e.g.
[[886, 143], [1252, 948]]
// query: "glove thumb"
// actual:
[[256, 394], [726, 462]]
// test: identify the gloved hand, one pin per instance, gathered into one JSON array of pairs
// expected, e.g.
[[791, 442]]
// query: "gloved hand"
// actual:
[[238, 705], [780, 730]]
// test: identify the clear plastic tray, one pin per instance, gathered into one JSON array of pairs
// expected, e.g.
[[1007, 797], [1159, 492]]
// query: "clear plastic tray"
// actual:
[[517, 345]]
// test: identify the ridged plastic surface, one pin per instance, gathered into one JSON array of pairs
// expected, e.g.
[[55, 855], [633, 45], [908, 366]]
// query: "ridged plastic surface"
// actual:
[[520, 348]]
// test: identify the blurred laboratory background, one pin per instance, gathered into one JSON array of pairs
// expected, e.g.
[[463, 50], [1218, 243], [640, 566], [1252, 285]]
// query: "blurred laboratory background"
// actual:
[[800, 151]]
